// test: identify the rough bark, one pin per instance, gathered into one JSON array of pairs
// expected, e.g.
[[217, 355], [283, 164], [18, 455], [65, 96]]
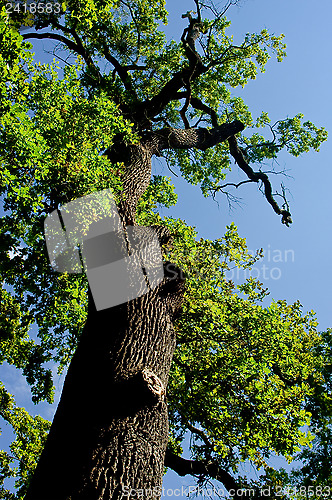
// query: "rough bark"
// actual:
[[137, 175], [110, 430], [200, 138]]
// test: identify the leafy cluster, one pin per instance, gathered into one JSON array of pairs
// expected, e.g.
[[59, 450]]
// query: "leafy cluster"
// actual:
[[30, 435], [242, 372]]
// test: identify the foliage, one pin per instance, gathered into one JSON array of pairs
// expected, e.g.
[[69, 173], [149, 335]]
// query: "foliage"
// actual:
[[242, 372], [314, 474], [31, 433], [246, 378]]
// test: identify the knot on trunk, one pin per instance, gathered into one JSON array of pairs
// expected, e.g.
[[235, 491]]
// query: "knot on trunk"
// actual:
[[154, 384], [138, 390], [144, 388]]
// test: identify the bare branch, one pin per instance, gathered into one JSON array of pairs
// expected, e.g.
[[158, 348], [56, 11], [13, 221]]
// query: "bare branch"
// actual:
[[223, 59], [55, 54], [283, 196], [55, 36], [256, 177], [217, 16], [135, 66], [78, 47], [219, 188]]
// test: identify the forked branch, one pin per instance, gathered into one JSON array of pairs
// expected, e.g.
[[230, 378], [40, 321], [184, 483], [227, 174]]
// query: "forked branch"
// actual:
[[198, 104]]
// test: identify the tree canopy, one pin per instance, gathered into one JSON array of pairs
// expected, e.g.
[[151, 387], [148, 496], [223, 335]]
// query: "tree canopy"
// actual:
[[247, 380]]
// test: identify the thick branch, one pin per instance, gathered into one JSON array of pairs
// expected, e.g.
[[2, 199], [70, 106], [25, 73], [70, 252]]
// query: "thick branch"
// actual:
[[200, 138], [256, 177], [55, 36], [287, 381], [77, 47], [195, 467], [153, 107], [189, 37]]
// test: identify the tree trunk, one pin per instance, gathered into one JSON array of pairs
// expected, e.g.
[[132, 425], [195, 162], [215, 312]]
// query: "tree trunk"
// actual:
[[110, 430]]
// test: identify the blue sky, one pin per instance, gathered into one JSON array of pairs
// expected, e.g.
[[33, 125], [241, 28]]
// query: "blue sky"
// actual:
[[297, 259]]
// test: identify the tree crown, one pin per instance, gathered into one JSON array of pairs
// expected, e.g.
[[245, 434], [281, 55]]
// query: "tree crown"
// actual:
[[243, 373]]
